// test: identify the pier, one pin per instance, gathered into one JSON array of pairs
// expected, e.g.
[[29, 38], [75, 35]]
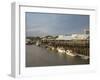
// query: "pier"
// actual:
[[77, 46]]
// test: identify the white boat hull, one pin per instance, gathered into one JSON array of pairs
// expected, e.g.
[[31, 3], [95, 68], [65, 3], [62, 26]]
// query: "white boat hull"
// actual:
[[69, 52]]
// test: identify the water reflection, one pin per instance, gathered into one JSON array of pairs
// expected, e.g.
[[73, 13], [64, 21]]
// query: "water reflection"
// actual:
[[39, 56]]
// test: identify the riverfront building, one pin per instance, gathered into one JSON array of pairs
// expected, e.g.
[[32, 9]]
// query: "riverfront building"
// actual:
[[73, 37]]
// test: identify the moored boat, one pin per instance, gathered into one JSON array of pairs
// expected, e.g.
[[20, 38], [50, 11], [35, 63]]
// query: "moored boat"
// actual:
[[61, 50], [70, 53], [83, 56]]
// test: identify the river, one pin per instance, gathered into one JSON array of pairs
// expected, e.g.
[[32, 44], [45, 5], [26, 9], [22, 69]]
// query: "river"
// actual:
[[37, 56]]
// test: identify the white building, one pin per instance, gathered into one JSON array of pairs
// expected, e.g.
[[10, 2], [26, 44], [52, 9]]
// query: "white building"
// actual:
[[63, 37], [80, 36], [73, 37]]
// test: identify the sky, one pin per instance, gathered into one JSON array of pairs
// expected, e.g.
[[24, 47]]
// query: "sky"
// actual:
[[42, 24]]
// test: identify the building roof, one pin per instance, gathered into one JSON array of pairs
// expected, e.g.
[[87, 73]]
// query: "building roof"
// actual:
[[64, 38]]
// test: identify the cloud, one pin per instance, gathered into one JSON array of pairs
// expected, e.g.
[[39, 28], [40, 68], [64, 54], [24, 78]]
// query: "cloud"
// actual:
[[44, 23]]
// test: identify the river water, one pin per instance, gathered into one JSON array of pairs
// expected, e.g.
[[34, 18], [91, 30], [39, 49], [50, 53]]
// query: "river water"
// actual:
[[38, 56]]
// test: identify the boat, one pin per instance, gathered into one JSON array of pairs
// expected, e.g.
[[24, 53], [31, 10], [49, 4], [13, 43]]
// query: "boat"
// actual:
[[83, 56], [37, 43], [61, 50], [70, 53]]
